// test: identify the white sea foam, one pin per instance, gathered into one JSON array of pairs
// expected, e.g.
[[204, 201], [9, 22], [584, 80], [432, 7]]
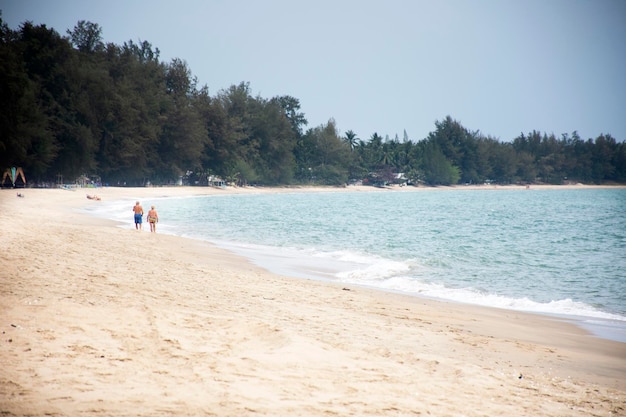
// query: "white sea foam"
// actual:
[[370, 268], [354, 268], [410, 285]]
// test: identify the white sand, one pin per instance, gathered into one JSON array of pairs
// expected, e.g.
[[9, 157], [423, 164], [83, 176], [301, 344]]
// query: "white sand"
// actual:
[[98, 320]]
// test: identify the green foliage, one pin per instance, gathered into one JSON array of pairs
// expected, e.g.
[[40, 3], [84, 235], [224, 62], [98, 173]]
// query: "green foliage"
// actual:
[[86, 37], [323, 156], [75, 105], [459, 147], [438, 169], [291, 107]]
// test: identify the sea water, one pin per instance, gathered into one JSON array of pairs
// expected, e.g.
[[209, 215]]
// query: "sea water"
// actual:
[[557, 252]]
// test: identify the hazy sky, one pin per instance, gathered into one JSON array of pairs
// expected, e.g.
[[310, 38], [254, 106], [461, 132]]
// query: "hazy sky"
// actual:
[[499, 66]]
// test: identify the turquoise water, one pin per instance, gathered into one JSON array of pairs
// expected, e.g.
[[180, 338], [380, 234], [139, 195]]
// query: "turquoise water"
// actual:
[[560, 252]]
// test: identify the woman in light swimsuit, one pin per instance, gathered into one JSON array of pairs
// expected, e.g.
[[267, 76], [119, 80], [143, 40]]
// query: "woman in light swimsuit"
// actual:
[[153, 219]]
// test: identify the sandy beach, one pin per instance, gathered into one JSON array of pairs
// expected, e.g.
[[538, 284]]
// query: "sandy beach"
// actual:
[[102, 320]]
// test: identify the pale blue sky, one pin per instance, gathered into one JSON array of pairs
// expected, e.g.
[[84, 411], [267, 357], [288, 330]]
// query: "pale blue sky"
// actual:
[[499, 66]]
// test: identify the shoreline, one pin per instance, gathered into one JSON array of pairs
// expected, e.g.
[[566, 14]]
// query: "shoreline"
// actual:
[[609, 328], [96, 312], [606, 325]]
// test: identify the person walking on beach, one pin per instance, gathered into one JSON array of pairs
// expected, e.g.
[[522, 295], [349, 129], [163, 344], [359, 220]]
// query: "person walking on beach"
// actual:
[[153, 219], [138, 216]]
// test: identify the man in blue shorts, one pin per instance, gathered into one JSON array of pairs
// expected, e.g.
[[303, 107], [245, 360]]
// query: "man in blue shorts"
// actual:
[[138, 216]]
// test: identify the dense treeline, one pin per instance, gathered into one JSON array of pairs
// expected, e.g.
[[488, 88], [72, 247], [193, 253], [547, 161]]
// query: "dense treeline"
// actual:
[[73, 105]]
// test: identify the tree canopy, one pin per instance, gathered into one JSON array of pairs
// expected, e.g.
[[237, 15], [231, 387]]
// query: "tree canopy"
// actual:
[[74, 105]]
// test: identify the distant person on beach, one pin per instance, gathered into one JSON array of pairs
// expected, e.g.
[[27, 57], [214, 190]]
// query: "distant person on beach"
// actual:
[[138, 216], [153, 219]]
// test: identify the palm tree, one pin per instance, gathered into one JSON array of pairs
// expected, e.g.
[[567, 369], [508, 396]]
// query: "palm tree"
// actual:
[[351, 139]]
